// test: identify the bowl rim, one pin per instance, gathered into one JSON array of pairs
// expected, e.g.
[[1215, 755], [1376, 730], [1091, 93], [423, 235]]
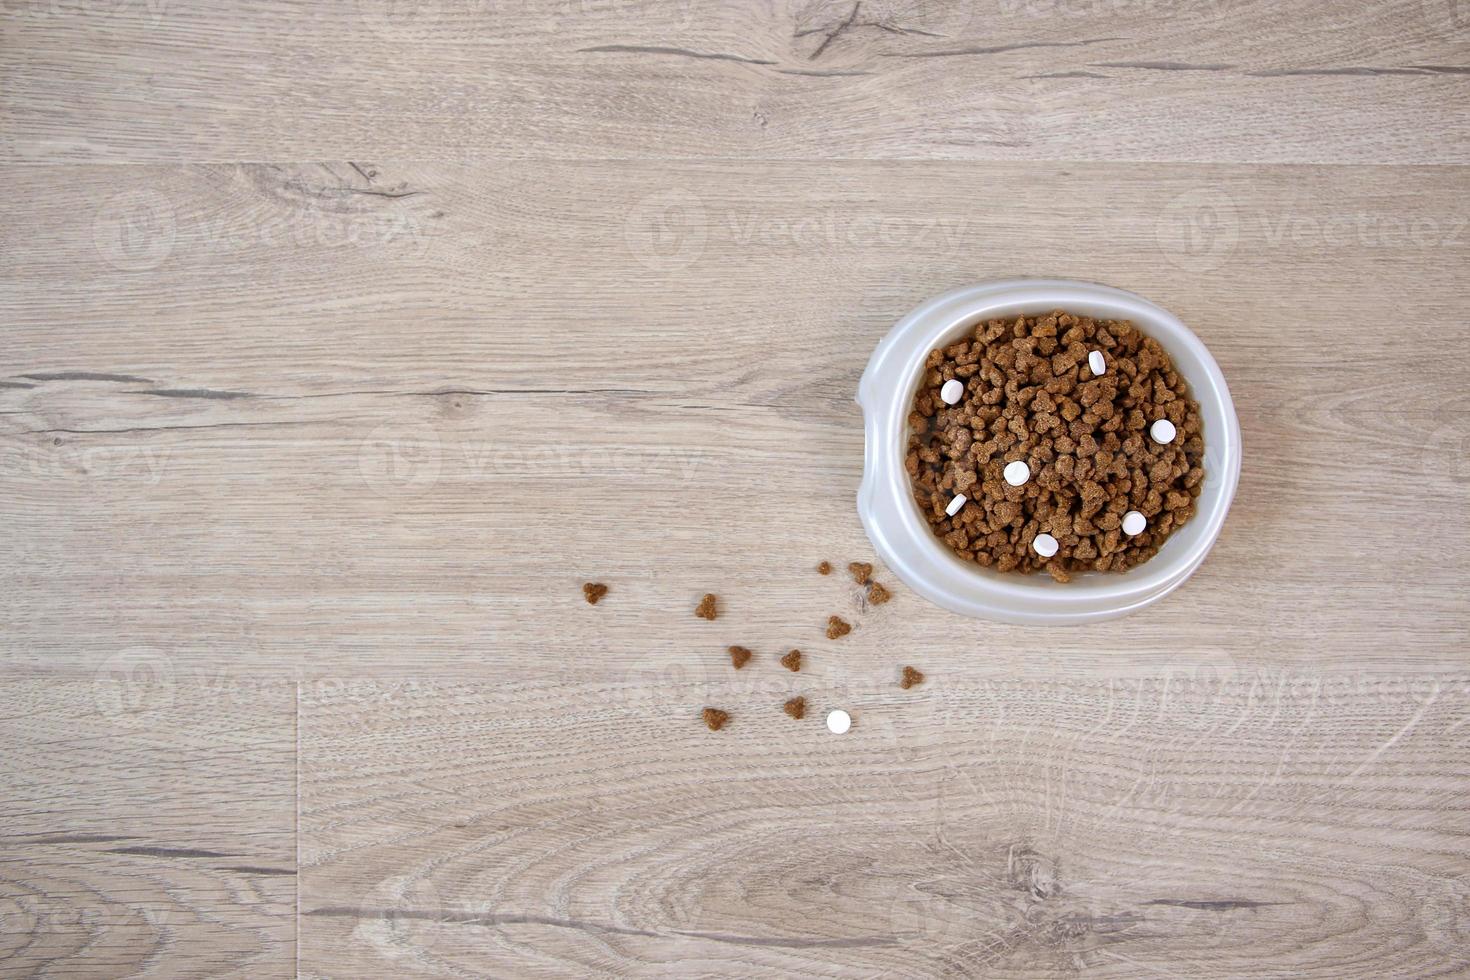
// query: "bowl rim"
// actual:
[[922, 561]]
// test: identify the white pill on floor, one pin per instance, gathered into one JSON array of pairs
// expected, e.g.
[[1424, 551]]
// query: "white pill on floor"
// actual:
[[1162, 431], [1134, 523], [1097, 362], [1045, 545], [956, 504], [952, 391], [1017, 473], [838, 722]]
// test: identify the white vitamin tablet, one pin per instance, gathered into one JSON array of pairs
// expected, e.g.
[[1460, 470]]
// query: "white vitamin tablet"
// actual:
[[1017, 473], [1098, 364], [838, 722], [1162, 431], [1045, 545], [952, 391], [1134, 523], [955, 504]]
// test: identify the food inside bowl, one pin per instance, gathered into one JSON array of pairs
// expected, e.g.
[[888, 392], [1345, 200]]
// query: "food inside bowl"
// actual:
[[1054, 442]]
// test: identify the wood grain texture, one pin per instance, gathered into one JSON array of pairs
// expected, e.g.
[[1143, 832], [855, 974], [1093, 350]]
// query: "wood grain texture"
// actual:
[[147, 824], [343, 342], [325, 426], [1306, 81], [1196, 824]]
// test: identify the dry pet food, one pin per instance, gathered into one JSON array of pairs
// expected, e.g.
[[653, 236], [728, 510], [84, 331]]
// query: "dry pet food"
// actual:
[[825, 568], [836, 627], [877, 594], [715, 718], [911, 678], [592, 591], [1066, 426], [796, 708], [860, 571], [739, 656], [792, 661], [706, 607]]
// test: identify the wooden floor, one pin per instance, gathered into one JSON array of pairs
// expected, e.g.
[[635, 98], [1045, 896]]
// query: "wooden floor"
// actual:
[[342, 342]]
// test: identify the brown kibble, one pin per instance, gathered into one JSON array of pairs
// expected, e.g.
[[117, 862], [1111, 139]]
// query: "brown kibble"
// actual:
[[837, 627], [861, 570], [739, 656], [715, 718], [796, 708], [592, 591], [911, 678], [878, 595], [1084, 437], [706, 607], [792, 661], [825, 568]]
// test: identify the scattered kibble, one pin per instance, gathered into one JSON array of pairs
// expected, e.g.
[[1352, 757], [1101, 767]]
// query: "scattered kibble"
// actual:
[[952, 391], [593, 591], [1017, 473], [715, 718], [825, 568], [739, 656], [836, 627], [796, 708], [861, 570], [877, 594], [911, 678], [1097, 363], [838, 721], [706, 607], [1163, 432], [1134, 523], [954, 505], [792, 661], [1044, 545]]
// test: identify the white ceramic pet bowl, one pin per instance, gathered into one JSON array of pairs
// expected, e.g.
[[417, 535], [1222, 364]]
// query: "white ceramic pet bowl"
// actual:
[[903, 538]]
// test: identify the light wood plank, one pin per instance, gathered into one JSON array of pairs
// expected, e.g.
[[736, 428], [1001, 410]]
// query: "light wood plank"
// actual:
[[1188, 824], [583, 291], [1305, 81], [147, 823], [197, 453]]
